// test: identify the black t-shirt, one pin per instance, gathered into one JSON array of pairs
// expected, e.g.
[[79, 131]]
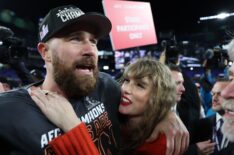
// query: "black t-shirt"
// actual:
[[25, 130]]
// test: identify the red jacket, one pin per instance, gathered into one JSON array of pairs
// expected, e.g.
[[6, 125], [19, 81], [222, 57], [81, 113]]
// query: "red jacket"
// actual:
[[74, 142], [157, 147], [78, 141]]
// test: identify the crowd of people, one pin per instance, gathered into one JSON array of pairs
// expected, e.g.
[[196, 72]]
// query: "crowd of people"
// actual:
[[153, 109]]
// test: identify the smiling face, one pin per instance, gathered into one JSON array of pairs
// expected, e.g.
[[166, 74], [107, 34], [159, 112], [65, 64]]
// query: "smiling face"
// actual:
[[74, 62], [228, 104], [135, 96], [148, 93]]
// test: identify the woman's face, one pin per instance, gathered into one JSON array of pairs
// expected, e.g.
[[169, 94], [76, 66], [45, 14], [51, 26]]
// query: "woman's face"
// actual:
[[135, 96]]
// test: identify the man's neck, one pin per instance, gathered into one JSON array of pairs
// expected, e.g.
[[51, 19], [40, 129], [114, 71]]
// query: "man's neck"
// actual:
[[52, 86]]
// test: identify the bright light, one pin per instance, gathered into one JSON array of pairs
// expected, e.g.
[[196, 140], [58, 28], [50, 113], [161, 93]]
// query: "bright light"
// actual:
[[222, 15], [185, 42], [105, 67]]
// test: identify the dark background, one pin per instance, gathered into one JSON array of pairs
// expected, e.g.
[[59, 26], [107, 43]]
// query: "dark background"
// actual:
[[179, 16], [175, 21]]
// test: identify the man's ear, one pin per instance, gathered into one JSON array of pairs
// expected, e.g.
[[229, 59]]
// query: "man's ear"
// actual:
[[43, 49]]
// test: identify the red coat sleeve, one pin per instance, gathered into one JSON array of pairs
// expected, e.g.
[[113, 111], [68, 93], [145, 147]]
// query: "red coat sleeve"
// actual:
[[74, 142]]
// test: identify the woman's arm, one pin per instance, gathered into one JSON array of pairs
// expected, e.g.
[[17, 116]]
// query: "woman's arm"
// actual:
[[59, 111], [176, 133]]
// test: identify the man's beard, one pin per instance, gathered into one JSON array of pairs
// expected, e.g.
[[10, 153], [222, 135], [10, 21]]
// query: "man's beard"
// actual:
[[228, 125], [71, 85], [228, 129]]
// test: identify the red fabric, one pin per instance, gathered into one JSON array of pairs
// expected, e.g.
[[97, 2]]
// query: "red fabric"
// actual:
[[157, 147], [75, 142]]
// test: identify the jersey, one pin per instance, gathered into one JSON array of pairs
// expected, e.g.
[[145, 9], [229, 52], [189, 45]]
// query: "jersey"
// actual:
[[25, 130]]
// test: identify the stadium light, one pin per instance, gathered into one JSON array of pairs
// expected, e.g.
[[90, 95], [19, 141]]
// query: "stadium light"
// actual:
[[222, 15]]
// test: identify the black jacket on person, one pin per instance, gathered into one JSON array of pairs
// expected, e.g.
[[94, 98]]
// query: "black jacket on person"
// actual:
[[229, 150], [202, 130], [189, 106], [24, 130]]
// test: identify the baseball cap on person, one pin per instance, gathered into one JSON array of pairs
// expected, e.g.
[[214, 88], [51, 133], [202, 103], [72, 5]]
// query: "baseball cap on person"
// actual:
[[61, 17]]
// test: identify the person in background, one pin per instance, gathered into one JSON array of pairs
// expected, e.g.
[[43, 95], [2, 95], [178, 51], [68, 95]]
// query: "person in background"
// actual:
[[217, 100], [228, 105], [4, 84], [228, 96], [188, 106], [207, 81], [206, 133], [177, 76], [4, 87]]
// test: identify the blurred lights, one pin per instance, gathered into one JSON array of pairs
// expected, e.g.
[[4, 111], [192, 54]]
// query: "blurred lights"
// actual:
[[222, 15], [20, 23], [9, 16], [185, 42]]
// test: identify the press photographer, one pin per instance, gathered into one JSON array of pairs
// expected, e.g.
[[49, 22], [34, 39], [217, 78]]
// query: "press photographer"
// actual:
[[13, 52]]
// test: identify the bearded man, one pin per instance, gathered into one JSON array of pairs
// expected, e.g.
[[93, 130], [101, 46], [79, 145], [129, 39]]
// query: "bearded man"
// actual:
[[228, 104]]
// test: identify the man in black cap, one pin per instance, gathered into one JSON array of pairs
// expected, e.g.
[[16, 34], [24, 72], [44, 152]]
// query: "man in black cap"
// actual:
[[68, 44]]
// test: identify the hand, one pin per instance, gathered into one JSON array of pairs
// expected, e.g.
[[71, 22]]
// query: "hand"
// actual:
[[205, 147], [176, 133], [56, 108]]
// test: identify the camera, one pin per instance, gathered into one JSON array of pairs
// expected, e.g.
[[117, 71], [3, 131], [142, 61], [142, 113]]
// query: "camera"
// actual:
[[12, 49]]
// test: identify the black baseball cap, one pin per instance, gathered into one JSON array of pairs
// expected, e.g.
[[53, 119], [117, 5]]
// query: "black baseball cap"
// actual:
[[64, 16]]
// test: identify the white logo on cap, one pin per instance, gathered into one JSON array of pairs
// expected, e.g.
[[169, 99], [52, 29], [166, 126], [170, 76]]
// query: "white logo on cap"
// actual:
[[44, 31], [69, 14]]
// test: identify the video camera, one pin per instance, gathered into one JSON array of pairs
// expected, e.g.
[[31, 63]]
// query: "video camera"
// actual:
[[11, 48]]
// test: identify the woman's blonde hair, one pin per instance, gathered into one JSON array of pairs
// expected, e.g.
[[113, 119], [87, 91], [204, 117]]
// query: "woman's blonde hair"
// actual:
[[162, 98]]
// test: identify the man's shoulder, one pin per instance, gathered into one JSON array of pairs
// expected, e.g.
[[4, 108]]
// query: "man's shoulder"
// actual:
[[20, 92], [12, 96], [107, 81], [108, 87], [106, 76], [208, 118], [14, 92], [207, 122]]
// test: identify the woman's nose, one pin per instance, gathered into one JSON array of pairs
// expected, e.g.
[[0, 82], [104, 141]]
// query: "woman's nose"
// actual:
[[126, 89]]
